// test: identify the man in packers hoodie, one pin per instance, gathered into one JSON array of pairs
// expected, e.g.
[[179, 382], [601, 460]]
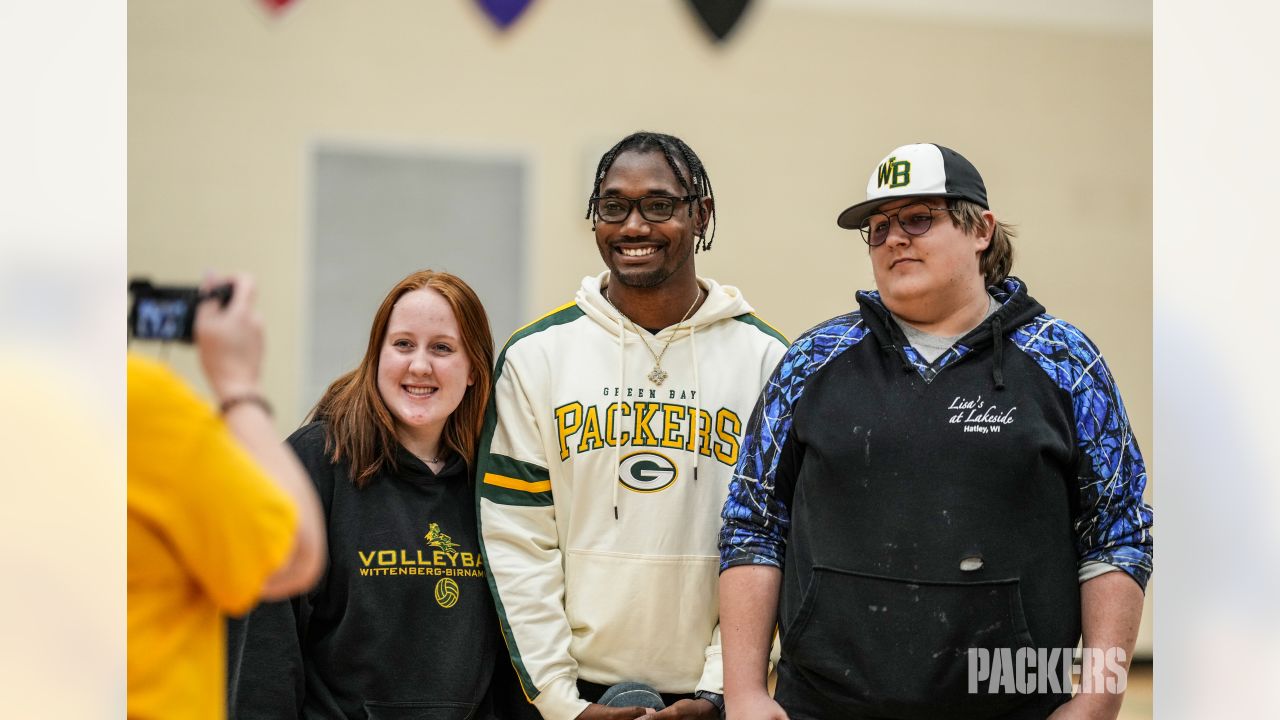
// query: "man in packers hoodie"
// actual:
[[943, 476], [608, 446]]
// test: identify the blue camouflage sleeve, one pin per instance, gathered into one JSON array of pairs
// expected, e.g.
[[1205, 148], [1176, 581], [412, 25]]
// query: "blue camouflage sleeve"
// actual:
[[756, 518], [1113, 524]]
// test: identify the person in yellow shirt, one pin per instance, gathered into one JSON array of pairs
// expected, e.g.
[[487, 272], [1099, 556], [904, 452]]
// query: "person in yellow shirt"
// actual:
[[220, 514]]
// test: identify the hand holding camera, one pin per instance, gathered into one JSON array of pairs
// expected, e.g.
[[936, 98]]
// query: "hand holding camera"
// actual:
[[169, 313], [219, 318], [228, 337]]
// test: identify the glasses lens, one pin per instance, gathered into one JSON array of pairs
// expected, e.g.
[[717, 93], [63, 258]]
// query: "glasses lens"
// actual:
[[915, 219], [613, 209], [875, 229], [657, 209]]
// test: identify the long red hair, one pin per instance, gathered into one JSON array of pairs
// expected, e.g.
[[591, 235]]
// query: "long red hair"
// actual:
[[361, 429]]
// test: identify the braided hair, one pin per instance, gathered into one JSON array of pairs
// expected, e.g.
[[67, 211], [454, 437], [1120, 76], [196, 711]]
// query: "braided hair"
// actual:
[[698, 184]]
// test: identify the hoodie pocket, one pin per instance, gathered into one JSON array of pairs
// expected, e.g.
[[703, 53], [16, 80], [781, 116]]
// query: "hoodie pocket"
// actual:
[[900, 647], [378, 710]]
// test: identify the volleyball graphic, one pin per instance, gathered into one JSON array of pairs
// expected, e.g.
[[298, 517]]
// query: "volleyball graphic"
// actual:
[[447, 592]]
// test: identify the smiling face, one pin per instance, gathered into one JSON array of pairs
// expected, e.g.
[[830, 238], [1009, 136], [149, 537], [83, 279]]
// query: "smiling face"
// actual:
[[642, 253], [933, 271], [423, 371]]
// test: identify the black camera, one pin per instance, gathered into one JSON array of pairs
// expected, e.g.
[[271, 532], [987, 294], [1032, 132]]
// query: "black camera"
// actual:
[[168, 313]]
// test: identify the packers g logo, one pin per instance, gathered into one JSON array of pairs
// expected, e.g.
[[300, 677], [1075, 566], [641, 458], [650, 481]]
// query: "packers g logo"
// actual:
[[447, 593], [647, 472], [894, 173]]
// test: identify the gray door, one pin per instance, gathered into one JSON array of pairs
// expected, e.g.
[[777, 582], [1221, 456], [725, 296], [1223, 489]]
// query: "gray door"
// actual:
[[377, 216]]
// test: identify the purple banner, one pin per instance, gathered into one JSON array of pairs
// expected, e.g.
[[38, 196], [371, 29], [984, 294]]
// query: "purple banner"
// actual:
[[504, 12]]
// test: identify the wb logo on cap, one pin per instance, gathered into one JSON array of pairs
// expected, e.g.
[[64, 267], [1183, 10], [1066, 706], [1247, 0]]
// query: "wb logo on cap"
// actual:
[[894, 173]]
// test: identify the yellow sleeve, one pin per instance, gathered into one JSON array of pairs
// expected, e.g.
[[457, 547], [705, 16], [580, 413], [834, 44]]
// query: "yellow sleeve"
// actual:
[[225, 519]]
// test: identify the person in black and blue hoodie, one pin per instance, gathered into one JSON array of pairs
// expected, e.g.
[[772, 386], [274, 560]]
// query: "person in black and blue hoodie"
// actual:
[[942, 475]]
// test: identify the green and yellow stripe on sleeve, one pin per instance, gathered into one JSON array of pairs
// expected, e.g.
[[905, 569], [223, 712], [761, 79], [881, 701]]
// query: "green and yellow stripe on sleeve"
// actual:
[[511, 482]]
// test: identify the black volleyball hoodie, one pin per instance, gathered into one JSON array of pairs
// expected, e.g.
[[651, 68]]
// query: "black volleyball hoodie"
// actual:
[[401, 625]]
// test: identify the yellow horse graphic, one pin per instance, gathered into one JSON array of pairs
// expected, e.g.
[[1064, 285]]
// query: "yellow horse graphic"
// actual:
[[436, 538]]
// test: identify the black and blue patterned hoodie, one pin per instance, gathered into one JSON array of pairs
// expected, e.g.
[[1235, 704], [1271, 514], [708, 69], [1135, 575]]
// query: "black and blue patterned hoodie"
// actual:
[[921, 509]]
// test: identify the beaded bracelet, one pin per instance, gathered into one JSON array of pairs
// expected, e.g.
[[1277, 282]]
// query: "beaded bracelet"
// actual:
[[252, 399]]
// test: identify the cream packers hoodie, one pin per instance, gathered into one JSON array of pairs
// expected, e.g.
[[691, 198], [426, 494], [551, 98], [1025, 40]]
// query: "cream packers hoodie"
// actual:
[[599, 495]]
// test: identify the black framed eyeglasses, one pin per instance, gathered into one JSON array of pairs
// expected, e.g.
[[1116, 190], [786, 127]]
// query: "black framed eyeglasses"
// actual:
[[654, 208], [914, 219]]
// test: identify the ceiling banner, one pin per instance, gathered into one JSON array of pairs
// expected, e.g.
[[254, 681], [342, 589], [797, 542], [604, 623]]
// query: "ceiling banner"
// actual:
[[504, 12], [719, 16]]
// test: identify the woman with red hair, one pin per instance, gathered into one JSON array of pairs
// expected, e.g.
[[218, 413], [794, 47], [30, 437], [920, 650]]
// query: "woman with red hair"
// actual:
[[402, 624]]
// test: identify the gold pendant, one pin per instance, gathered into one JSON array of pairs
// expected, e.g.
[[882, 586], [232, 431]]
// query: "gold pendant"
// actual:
[[657, 375]]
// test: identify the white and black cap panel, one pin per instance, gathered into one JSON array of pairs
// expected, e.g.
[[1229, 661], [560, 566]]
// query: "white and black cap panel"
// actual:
[[917, 170]]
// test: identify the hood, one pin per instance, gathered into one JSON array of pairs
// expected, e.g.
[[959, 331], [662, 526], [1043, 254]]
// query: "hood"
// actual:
[[1016, 309], [723, 301]]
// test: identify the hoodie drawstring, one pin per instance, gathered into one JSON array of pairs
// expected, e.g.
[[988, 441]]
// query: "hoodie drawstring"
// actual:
[[997, 340], [892, 349], [617, 408], [586, 301], [697, 405]]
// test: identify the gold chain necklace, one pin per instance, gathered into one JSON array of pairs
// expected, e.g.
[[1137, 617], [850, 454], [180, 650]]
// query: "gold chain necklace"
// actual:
[[657, 374]]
